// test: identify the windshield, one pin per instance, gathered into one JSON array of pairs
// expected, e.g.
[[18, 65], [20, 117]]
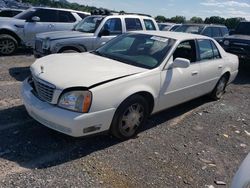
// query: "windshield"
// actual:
[[195, 29], [89, 24], [243, 28], [141, 50], [25, 14]]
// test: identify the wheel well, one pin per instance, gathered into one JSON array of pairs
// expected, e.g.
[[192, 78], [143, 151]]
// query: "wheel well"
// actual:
[[68, 48], [11, 33], [227, 74], [149, 98]]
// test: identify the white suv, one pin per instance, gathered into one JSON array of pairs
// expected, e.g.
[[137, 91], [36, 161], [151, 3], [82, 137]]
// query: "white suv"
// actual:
[[91, 33], [21, 29]]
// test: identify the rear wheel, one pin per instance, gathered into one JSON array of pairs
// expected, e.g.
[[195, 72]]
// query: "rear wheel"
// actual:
[[130, 117], [220, 87], [8, 44]]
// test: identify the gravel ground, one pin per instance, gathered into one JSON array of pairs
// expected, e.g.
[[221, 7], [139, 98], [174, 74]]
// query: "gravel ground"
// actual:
[[191, 145]]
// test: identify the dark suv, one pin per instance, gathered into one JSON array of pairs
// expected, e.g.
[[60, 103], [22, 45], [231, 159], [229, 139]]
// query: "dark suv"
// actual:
[[238, 42], [215, 31]]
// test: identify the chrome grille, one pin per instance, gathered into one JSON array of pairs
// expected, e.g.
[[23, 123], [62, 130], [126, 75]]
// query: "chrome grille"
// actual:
[[39, 45], [44, 90]]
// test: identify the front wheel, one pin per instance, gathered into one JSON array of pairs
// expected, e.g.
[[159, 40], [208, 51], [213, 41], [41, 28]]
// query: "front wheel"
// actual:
[[220, 87], [8, 44], [130, 117]]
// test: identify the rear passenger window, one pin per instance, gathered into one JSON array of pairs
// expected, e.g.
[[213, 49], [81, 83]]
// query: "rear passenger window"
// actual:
[[46, 15], [224, 31], [149, 24], [208, 32], [186, 50], [215, 51], [216, 32], [205, 49], [66, 17], [133, 24]]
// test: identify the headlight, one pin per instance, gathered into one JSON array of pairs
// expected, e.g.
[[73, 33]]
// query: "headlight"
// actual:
[[46, 43], [226, 42], [78, 101]]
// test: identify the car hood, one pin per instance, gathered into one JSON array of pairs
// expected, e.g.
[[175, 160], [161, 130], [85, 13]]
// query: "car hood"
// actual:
[[80, 70], [11, 21], [63, 35]]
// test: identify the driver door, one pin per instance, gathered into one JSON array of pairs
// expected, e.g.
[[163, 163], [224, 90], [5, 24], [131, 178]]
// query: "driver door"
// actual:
[[180, 84], [110, 29], [48, 18]]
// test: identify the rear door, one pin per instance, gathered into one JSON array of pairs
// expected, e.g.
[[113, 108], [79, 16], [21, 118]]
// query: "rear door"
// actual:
[[48, 18], [211, 64]]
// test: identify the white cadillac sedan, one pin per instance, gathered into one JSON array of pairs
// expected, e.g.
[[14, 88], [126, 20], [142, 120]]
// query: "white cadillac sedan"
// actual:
[[116, 87]]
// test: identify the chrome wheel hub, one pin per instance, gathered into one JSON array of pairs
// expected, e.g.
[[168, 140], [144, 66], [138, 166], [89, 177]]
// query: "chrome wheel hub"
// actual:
[[7, 46], [131, 119]]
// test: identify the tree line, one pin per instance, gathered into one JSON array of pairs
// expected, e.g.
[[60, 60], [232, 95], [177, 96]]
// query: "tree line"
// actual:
[[231, 23], [60, 4]]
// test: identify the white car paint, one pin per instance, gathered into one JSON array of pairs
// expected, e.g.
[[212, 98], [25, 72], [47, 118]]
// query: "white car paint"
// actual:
[[242, 176], [168, 86]]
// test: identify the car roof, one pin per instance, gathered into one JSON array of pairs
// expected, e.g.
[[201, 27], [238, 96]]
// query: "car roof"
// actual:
[[126, 16], [62, 9], [174, 35], [204, 25]]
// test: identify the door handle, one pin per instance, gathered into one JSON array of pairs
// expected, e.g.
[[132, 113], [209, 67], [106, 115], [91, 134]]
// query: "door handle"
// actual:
[[51, 26], [194, 73], [220, 66]]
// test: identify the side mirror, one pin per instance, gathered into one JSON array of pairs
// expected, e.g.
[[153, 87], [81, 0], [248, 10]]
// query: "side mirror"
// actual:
[[181, 63], [35, 19], [231, 32]]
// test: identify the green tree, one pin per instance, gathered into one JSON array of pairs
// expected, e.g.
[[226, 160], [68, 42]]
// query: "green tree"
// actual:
[[160, 18], [178, 19], [215, 20], [196, 20], [231, 23]]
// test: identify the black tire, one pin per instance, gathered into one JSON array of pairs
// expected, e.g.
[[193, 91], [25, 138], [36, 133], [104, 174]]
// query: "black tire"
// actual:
[[219, 89], [136, 111], [8, 44]]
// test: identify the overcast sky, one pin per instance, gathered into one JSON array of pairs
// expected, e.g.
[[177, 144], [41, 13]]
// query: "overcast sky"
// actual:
[[170, 8]]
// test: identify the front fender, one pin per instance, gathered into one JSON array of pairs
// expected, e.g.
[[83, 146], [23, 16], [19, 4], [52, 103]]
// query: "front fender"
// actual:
[[112, 94]]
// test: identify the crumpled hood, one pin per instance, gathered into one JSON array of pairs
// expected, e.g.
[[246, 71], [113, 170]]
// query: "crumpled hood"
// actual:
[[13, 21], [80, 69], [63, 34]]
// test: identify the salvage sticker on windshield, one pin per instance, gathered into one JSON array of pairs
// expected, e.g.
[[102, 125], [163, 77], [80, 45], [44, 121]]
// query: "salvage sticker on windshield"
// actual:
[[160, 39]]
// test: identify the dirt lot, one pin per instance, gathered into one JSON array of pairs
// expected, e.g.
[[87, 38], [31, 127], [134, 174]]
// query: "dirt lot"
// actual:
[[191, 145]]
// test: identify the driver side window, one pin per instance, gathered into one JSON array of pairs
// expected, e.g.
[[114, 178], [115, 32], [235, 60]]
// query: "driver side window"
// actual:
[[112, 26], [186, 50]]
